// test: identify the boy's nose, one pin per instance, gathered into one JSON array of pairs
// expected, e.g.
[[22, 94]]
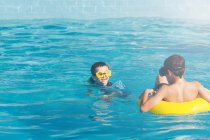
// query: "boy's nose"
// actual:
[[104, 76]]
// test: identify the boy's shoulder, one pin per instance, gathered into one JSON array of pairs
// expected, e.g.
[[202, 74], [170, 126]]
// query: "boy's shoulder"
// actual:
[[109, 84], [91, 81], [194, 83]]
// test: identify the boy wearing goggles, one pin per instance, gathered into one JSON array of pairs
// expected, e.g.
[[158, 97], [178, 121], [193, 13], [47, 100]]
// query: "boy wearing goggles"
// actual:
[[172, 87], [100, 74]]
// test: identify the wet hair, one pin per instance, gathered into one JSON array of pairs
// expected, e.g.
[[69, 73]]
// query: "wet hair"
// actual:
[[176, 64], [96, 65], [163, 71]]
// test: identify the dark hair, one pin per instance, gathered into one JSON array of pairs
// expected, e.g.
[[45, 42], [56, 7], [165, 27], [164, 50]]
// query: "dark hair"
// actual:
[[95, 65], [176, 64], [163, 71]]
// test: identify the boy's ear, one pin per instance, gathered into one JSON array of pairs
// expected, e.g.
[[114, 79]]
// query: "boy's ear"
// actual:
[[169, 72]]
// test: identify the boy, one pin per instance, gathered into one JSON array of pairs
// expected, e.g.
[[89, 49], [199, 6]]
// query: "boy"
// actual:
[[171, 85], [100, 77], [100, 74]]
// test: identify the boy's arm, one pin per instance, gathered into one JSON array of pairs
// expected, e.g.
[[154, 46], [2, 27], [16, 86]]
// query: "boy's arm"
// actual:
[[148, 103], [144, 97], [203, 92]]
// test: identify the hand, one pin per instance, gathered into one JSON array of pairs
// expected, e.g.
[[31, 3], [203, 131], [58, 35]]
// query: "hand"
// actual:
[[105, 97], [146, 93]]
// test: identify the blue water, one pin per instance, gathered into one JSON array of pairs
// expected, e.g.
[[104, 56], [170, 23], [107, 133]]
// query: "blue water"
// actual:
[[44, 66]]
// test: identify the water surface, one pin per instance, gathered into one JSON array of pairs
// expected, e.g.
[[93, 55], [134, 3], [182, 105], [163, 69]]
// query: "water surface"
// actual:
[[45, 65]]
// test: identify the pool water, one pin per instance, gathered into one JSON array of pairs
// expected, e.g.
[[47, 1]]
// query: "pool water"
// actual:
[[45, 64]]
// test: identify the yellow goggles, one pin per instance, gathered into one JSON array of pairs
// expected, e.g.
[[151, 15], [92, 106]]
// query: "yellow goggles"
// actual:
[[108, 73]]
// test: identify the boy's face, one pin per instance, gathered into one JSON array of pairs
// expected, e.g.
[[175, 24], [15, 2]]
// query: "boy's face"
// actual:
[[102, 77]]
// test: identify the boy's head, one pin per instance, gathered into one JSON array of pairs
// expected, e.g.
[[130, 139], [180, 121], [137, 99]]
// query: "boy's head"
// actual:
[[101, 73], [175, 64]]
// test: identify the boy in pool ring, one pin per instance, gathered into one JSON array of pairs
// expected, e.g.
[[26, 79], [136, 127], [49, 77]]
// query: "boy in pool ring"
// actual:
[[172, 87]]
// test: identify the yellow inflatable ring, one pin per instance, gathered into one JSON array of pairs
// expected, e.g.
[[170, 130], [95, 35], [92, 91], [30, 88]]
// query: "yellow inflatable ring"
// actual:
[[183, 108]]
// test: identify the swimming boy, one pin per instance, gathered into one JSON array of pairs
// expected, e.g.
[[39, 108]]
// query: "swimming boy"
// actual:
[[100, 74], [100, 77], [171, 85]]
